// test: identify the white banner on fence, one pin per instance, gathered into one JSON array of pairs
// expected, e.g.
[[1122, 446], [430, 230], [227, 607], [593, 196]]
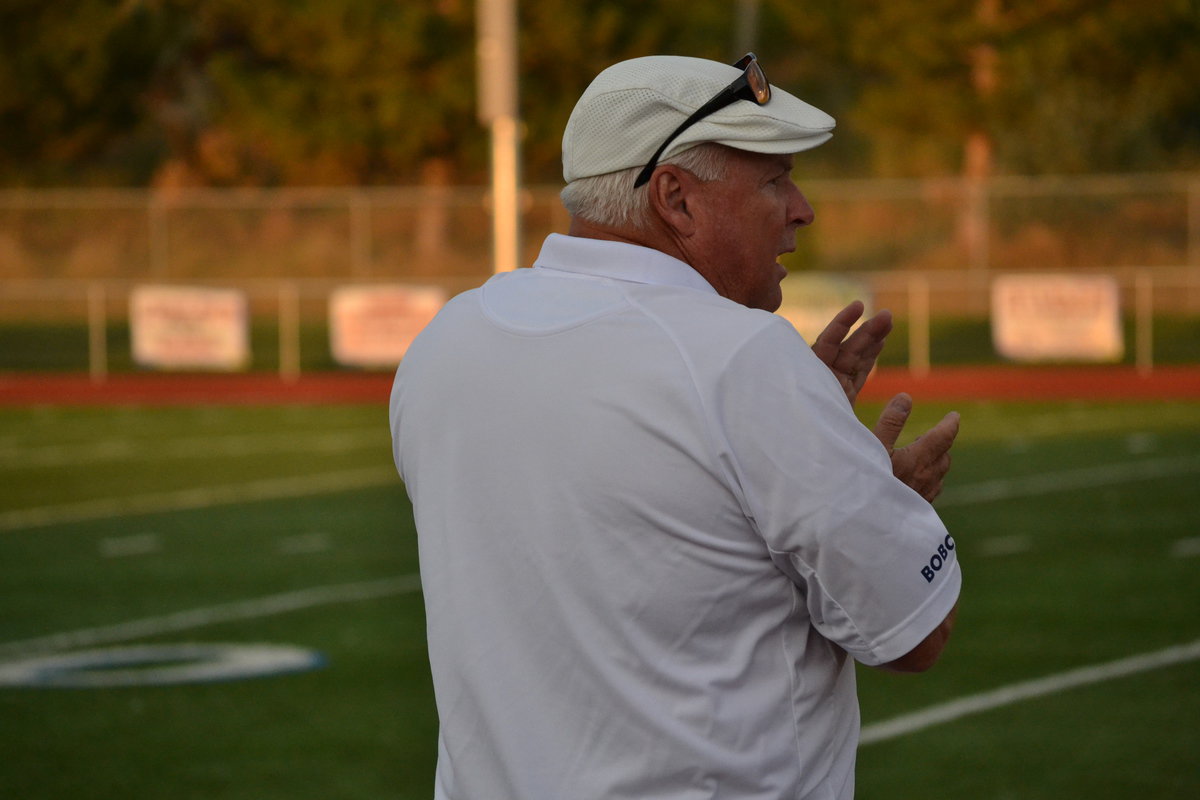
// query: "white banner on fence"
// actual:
[[187, 327], [1057, 318], [810, 300], [372, 326]]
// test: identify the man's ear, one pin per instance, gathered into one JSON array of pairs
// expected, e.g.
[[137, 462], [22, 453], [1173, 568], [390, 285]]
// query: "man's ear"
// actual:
[[670, 189]]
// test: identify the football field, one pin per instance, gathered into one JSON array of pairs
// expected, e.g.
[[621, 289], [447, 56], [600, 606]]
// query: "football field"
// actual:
[[202, 602]]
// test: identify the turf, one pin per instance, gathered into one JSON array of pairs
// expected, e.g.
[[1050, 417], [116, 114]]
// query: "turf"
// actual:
[[30, 346], [1085, 554]]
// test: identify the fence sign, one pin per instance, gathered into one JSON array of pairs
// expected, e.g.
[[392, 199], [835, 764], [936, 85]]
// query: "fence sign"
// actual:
[[185, 327], [372, 326], [811, 300], [1057, 318]]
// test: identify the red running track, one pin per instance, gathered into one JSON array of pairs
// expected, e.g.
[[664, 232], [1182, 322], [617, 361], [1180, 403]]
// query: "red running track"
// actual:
[[941, 384]]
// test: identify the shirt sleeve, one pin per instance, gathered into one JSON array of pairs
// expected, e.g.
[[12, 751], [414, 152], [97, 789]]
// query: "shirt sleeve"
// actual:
[[875, 564]]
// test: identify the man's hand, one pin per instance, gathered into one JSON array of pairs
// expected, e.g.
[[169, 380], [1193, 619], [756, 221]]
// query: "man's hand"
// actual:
[[851, 359], [924, 463]]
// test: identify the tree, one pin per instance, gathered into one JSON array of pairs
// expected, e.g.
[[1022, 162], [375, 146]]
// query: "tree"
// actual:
[[322, 92], [73, 76], [564, 44], [362, 92], [1100, 86], [1028, 86]]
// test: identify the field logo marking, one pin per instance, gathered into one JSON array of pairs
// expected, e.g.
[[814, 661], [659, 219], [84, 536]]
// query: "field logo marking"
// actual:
[[1027, 690], [199, 617], [157, 665], [403, 584]]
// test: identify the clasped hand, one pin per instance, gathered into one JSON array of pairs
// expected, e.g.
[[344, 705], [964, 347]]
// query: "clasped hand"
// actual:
[[923, 464]]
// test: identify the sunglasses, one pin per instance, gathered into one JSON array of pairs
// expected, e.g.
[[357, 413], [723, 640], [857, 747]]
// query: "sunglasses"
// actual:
[[751, 85]]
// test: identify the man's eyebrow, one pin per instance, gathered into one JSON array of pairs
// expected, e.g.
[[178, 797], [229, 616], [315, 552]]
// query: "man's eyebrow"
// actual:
[[782, 167]]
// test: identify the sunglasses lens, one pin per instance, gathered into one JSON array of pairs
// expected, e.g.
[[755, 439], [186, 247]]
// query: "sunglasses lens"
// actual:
[[758, 83]]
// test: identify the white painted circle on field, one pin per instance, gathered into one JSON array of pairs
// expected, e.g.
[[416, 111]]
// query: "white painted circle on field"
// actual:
[[157, 665]]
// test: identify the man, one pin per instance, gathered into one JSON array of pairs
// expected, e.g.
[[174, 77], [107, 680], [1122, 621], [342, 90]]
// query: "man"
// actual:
[[653, 535]]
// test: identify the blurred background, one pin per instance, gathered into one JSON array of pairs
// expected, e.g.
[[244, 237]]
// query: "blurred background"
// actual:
[[284, 149], [214, 592]]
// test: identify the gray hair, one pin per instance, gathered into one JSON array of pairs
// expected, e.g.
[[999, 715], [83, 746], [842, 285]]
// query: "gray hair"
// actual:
[[611, 200]]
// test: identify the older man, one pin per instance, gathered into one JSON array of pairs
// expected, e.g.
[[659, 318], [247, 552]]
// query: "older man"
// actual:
[[653, 535]]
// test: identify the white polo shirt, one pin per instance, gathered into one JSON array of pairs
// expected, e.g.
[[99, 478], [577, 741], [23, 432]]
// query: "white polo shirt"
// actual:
[[650, 529]]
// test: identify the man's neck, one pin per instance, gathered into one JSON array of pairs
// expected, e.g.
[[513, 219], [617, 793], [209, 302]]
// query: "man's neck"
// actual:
[[655, 240]]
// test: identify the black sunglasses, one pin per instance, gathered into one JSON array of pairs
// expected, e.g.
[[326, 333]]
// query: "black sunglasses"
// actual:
[[751, 85]]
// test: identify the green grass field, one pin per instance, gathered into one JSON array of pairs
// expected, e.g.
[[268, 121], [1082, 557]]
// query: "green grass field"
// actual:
[[27, 346], [1078, 528]]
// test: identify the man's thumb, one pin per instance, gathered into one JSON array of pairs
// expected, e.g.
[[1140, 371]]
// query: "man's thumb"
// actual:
[[892, 420]]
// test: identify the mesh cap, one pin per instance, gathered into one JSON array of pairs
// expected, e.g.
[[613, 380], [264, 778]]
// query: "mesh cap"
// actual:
[[631, 108]]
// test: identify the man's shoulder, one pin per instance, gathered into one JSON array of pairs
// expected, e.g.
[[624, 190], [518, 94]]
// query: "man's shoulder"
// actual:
[[711, 318]]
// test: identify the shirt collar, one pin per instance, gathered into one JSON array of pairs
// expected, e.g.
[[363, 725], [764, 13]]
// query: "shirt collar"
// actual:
[[619, 261]]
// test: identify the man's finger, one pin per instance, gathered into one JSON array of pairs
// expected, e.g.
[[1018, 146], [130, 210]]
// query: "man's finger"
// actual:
[[892, 420], [838, 327], [940, 438], [869, 337]]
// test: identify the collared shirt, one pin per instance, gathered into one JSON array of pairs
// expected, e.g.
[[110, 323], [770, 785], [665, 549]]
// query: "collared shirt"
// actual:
[[652, 535]]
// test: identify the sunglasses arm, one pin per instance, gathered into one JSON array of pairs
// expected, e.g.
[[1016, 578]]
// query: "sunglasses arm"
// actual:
[[716, 104]]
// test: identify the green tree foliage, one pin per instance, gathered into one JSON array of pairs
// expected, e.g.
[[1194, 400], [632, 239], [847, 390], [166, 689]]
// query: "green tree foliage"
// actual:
[[918, 99], [565, 43], [74, 76], [1052, 85], [1099, 86], [328, 92]]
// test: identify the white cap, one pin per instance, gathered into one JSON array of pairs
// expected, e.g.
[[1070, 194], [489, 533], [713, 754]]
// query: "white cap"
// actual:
[[633, 106]]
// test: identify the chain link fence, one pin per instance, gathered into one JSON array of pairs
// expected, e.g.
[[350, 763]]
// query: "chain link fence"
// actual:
[[927, 249]]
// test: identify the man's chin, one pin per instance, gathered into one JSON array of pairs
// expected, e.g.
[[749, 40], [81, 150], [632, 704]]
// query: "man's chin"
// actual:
[[771, 301]]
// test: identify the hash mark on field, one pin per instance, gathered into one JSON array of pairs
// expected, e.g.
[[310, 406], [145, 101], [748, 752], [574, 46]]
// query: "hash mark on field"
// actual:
[[136, 545], [189, 499], [1186, 548], [199, 617], [304, 544], [1141, 443], [1005, 545]]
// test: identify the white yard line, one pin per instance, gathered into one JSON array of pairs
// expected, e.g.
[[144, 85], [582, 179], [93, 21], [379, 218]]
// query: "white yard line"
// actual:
[[276, 488], [15, 456], [1067, 480], [1027, 690], [203, 497], [404, 584], [200, 617], [1029, 485]]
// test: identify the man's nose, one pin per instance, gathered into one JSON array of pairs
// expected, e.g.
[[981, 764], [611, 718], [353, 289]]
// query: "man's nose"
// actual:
[[802, 212]]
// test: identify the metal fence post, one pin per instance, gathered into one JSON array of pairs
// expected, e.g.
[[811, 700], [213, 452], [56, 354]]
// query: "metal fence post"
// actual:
[[289, 331], [97, 332], [360, 234], [156, 216], [1144, 321], [918, 325], [1193, 245]]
